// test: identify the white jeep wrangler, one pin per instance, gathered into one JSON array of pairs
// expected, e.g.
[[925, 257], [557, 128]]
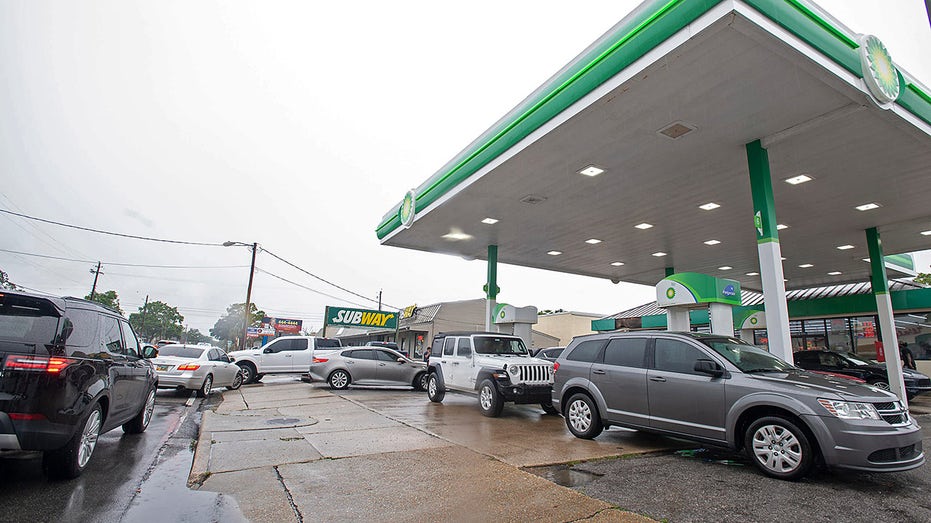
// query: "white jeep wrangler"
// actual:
[[496, 366]]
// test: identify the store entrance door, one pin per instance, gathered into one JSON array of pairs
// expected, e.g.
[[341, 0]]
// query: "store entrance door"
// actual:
[[808, 342]]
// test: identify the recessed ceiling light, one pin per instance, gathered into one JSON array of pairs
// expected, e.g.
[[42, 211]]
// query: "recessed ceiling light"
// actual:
[[490, 221], [867, 260], [926, 233], [455, 235], [753, 274], [554, 253], [802, 178], [844, 247], [783, 258], [643, 226], [710, 206], [659, 254], [712, 242], [592, 170], [781, 226], [725, 268], [593, 241], [617, 264], [868, 206], [835, 273], [805, 265], [533, 199], [676, 130]]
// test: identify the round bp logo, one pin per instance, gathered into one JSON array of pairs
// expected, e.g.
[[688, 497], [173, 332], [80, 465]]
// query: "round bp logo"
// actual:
[[879, 73], [501, 315], [408, 208], [754, 321], [670, 293]]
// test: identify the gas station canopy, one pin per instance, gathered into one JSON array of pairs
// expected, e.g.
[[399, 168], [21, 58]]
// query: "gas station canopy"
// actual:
[[650, 126]]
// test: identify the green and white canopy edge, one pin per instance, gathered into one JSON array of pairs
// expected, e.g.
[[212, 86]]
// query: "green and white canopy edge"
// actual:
[[766, 90]]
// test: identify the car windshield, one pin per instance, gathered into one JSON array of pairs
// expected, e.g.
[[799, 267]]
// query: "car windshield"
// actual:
[[499, 345], [853, 359], [327, 342], [180, 351], [746, 357]]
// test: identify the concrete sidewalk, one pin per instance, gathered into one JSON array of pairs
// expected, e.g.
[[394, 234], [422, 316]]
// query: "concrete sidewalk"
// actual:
[[289, 451]]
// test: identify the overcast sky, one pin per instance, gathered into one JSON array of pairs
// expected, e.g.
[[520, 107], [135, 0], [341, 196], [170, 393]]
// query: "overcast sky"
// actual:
[[292, 124]]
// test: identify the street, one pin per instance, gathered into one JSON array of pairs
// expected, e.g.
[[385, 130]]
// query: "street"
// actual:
[[130, 478]]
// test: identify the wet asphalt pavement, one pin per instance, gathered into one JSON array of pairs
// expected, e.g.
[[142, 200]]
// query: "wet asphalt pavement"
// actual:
[[131, 478], [706, 484]]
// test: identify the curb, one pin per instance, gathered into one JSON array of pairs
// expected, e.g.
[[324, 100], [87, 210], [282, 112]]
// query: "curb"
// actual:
[[199, 472]]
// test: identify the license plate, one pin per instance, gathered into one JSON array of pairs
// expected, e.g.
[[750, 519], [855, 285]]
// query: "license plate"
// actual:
[[161, 368]]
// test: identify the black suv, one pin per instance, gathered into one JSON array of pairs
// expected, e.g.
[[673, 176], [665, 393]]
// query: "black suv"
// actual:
[[869, 371], [70, 370]]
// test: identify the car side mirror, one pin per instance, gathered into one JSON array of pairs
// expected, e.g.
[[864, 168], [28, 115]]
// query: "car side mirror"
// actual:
[[267, 351], [226, 358], [401, 360], [709, 367], [149, 352]]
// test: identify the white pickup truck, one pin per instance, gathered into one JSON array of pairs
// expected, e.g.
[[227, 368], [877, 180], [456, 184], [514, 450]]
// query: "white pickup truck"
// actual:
[[284, 355]]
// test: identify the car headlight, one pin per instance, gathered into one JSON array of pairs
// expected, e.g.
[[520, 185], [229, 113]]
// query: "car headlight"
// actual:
[[849, 409], [514, 370]]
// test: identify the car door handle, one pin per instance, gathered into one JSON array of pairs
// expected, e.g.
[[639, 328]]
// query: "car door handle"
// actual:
[[381, 364], [455, 363], [658, 378], [598, 371], [287, 355]]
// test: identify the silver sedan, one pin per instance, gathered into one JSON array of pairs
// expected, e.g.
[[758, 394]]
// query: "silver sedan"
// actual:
[[196, 367], [367, 366]]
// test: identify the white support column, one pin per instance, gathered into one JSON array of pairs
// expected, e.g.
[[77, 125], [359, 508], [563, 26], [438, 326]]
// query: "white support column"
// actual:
[[490, 305], [775, 310], [677, 319], [722, 319], [890, 339]]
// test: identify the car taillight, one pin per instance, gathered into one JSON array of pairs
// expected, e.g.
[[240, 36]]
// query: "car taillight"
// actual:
[[320, 360], [52, 365], [188, 366], [555, 367], [22, 416]]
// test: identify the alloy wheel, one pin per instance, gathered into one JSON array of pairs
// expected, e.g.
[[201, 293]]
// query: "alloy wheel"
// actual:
[[149, 408], [486, 397], [89, 437], [580, 416], [777, 448]]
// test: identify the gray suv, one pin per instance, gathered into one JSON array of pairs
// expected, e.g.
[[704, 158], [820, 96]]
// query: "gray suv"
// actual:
[[721, 391]]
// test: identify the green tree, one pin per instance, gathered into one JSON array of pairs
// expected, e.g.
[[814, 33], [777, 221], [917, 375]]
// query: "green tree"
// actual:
[[162, 321], [923, 278], [107, 299], [230, 326], [5, 282], [195, 336]]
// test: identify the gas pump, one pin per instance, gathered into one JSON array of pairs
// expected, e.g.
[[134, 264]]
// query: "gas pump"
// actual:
[[683, 291], [519, 319]]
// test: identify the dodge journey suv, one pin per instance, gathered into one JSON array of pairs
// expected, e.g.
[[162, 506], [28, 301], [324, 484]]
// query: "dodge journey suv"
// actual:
[[721, 391]]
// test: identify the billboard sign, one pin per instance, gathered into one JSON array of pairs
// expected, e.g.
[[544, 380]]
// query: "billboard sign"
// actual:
[[361, 318]]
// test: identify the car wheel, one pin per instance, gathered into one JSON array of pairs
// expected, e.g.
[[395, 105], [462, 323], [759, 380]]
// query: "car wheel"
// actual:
[[70, 461], [237, 382], [420, 381], [248, 372], [489, 399], [434, 391], [204, 389], [582, 417], [339, 380], [138, 424], [549, 409], [779, 448]]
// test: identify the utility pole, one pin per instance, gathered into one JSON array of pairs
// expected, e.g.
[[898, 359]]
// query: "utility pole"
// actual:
[[247, 313], [379, 299], [96, 272], [144, 307]]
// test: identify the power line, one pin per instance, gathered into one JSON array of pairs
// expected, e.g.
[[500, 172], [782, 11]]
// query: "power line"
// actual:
[[127, 264], [305, 271], [308, 288], [111, 233]]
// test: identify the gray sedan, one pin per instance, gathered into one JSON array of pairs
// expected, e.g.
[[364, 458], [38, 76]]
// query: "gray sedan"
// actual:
[[196, 367], [367, 366]]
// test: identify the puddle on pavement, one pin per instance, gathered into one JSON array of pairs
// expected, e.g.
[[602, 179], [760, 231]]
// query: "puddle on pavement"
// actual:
[[164, 496], [568, 477], [719, 457]]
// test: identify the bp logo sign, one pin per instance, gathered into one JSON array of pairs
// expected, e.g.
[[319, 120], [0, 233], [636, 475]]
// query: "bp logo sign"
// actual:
[[754, 321], [670, 293], [501, 315], [408, 208], [879, 73]]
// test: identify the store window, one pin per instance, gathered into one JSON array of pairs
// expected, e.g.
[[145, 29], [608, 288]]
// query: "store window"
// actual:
[[914, 329], [865, 335]]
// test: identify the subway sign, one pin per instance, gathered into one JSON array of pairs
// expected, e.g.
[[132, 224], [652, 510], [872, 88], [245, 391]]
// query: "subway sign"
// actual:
[[361, 318]]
